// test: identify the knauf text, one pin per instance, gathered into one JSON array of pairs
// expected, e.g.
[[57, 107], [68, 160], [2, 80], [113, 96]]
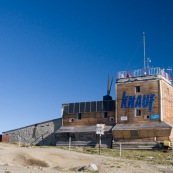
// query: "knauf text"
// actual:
[[137, 101]]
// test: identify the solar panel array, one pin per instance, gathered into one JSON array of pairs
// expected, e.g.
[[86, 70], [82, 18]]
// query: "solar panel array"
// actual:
[[94, 106]]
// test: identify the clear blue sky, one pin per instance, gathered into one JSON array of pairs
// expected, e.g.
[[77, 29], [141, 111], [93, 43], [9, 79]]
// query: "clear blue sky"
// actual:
[[61, 51]]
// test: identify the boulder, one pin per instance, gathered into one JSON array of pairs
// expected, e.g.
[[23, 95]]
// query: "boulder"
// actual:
[[91, 167]]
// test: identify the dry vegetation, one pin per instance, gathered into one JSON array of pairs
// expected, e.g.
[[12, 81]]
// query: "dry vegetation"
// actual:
[[161, 157]]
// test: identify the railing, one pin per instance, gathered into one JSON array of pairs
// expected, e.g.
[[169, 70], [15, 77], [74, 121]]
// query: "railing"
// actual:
[[144, 72]]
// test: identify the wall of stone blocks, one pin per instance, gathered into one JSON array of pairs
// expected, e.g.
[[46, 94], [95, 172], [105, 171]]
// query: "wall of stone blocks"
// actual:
[[36, 134]]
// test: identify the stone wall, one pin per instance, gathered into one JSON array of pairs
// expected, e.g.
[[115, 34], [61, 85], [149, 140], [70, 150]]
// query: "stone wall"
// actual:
[[36, 134]]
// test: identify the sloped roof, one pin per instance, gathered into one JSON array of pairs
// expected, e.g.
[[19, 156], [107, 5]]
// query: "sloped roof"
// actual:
[[143, 125], [73, 129]]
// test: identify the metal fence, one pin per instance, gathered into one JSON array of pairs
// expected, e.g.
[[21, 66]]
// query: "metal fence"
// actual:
[[144, 72]]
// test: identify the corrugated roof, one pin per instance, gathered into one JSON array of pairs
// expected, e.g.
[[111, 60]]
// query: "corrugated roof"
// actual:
[[143, 125], [73, 129]]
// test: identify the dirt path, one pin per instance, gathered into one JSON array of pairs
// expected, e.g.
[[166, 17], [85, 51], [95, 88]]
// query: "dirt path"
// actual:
[[15, 159]]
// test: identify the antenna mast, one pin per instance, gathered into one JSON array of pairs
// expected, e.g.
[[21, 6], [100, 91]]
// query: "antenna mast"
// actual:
[[144, 49]]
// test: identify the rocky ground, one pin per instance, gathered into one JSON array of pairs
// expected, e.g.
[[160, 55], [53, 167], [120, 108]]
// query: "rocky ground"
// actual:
[[15, 159]]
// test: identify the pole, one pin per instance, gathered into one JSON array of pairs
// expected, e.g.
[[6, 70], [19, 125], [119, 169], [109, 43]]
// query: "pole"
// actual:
[[120, 149], [99, 142], [69, 143], [144, 49]]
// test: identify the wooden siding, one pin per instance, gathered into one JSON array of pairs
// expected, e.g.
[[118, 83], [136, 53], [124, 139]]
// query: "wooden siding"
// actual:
[[142, 135], [89, 119], [5, 138], [146, 87]]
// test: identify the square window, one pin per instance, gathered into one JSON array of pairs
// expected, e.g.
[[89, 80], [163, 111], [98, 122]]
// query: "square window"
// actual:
[[137, 89], [138, 112]]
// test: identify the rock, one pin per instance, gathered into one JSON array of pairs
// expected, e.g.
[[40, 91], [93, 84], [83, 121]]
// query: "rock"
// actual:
[[150, 157], [91, 167]]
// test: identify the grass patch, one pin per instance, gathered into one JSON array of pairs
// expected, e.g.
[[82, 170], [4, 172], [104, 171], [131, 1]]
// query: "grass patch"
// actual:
[[152, 156]]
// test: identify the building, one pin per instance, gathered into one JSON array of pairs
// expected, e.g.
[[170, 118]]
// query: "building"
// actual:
[[79, 122], [141, 116], [37, 134], [144, 107]]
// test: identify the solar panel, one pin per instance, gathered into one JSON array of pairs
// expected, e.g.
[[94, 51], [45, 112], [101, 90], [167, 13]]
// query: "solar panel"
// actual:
[[99, 106], [93, 106], [71, 108], [82, 107], [87, 107], [76, 107], [65, 108]]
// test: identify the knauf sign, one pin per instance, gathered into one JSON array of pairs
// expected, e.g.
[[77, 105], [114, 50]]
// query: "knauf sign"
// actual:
[[138, 101]]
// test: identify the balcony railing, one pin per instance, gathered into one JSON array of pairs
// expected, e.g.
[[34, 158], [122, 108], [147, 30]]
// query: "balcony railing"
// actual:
[[144, 72]]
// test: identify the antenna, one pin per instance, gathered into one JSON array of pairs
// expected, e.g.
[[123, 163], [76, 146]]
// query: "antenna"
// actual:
[[108, 92], [169, 69], [109, 85], [144, 48], [147, 61], [108, 97]]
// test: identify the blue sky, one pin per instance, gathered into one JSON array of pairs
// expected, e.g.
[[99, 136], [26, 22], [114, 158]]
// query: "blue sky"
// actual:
[[54, 52]]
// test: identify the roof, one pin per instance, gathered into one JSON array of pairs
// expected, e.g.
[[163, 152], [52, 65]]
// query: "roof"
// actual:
[[143, 125], [60, 119], [73, 129]]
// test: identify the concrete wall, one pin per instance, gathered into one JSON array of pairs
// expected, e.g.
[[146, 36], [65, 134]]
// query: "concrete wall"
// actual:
[[36, 134]]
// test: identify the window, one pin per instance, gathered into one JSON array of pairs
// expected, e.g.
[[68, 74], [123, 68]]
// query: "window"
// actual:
[[79, 116], [137, 89], [138, 112], [105, 115]]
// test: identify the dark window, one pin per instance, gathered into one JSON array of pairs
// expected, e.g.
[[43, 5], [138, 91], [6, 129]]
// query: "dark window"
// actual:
[[79, 116], [138, 89], [138, 112], [105, 115]]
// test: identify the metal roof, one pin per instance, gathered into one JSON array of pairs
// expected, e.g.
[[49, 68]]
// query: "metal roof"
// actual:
[[143, 125], [80, 129]]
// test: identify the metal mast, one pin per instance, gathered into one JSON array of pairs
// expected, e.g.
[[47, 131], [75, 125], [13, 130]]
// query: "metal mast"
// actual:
[[144, 49]]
